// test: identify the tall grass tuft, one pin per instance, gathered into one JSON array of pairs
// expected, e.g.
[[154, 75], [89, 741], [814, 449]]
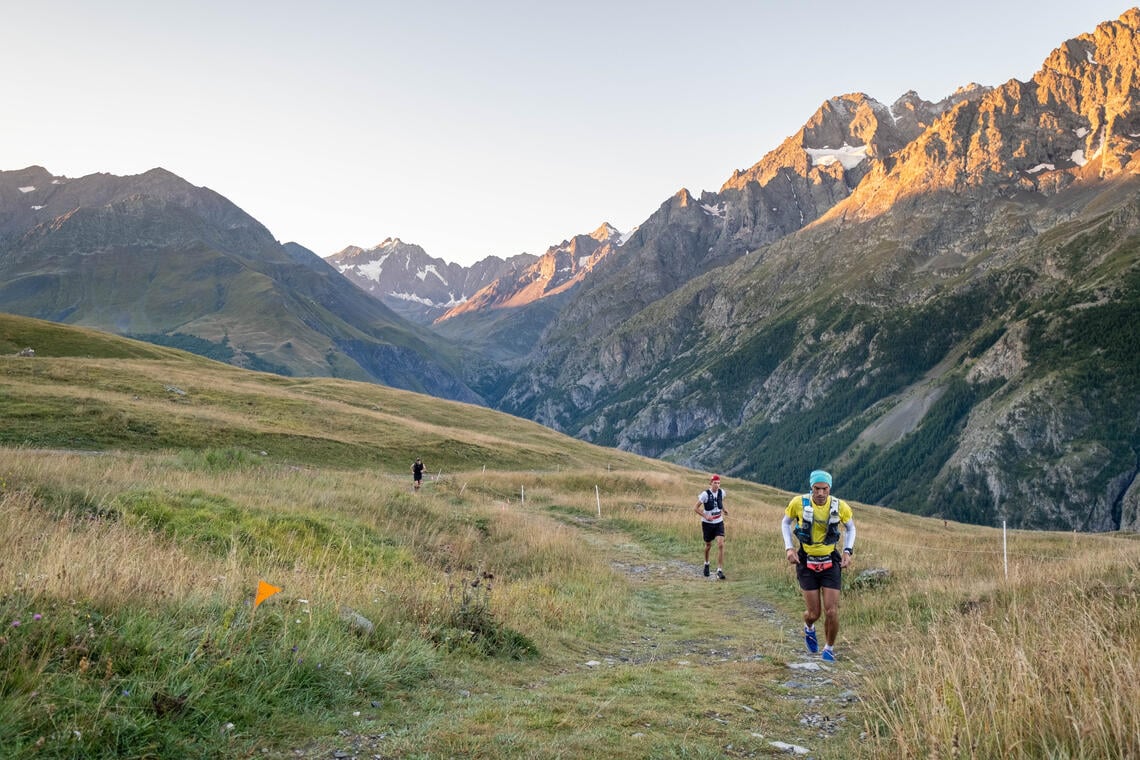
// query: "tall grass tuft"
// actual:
[[1039, 666]]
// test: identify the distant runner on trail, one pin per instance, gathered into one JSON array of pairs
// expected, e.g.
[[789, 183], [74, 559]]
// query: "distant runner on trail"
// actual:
[[710, 506], [417, 473], [814, 519]]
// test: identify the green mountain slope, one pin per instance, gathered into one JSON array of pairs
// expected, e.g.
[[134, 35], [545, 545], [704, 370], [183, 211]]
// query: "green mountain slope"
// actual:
[[155, 257], [85, 389]]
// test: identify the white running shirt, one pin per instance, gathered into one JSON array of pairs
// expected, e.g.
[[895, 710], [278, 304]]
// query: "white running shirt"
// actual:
[[712, 513]]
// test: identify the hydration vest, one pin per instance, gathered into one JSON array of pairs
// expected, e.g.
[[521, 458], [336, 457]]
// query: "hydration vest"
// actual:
[[714, 503], [804, 530]]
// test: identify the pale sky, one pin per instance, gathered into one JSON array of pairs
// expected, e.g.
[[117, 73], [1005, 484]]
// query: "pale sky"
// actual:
[[475, 128]]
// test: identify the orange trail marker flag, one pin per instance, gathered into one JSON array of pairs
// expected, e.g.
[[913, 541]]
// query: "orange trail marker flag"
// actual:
[[264, 591]]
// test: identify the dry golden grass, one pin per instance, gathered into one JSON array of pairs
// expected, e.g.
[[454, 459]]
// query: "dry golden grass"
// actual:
[[957, 659], [101, 561], [985, 652]]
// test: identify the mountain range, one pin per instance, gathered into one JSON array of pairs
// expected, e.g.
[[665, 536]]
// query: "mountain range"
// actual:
[[417, 286], [936, 300]]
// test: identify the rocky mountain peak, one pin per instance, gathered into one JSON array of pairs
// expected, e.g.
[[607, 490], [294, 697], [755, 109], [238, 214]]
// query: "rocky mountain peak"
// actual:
[[843, 130], [913, 115], [605, 233], [415, 285], [1078, 115], [40, 206], [348, 252], [1095, 80], [681, 199], [966, 90]]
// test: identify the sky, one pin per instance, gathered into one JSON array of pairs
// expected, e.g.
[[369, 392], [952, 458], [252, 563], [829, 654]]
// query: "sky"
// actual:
[[475, 128]]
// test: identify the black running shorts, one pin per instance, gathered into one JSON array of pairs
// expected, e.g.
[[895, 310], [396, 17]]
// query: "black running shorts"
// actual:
[[712, 530], [810, 580]]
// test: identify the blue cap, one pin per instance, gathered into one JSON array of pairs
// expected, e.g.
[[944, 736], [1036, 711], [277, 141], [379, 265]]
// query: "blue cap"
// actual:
[[819, 476]]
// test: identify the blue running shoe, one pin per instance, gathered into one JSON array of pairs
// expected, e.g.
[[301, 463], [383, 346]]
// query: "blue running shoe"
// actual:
[[810, 640], [828, 655]]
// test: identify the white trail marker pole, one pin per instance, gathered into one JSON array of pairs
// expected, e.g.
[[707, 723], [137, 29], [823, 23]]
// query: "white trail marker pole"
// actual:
[[1004, 553]]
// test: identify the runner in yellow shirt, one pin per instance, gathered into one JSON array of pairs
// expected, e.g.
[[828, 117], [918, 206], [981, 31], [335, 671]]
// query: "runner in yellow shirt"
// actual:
[[814, 520]]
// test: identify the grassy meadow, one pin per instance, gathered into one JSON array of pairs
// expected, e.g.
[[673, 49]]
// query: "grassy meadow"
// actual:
[[539, 598]]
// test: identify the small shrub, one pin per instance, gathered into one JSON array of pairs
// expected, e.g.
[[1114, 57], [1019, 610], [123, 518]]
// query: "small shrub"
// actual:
[[470, 625]]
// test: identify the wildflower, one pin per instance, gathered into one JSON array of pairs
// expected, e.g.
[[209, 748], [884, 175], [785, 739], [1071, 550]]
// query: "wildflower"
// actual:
[[37, 616], [15, 623]]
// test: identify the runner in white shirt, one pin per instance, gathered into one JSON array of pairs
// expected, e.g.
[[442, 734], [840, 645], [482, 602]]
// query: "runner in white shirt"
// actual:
[[710, 506]]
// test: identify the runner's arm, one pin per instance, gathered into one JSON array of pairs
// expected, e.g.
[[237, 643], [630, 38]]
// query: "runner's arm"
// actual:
[[786, 529], [789, 550], [849, 536]]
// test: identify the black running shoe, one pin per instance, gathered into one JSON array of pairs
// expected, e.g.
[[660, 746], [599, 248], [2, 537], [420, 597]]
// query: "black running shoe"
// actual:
[[706, 569], [720, 574]]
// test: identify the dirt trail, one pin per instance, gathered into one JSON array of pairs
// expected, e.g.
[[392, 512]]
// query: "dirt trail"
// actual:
[[749, 630], [825, 690]]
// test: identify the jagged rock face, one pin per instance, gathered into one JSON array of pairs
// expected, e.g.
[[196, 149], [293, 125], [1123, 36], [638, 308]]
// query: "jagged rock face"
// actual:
[[913, 115], [1130, 508], [844, 131], [1077, 116], [816, 168], [415, 285], [675, 243]]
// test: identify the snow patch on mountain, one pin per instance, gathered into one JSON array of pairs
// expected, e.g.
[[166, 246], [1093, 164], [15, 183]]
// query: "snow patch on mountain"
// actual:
[[430, 269], [413, 298], [371, 270], [849, 156]]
